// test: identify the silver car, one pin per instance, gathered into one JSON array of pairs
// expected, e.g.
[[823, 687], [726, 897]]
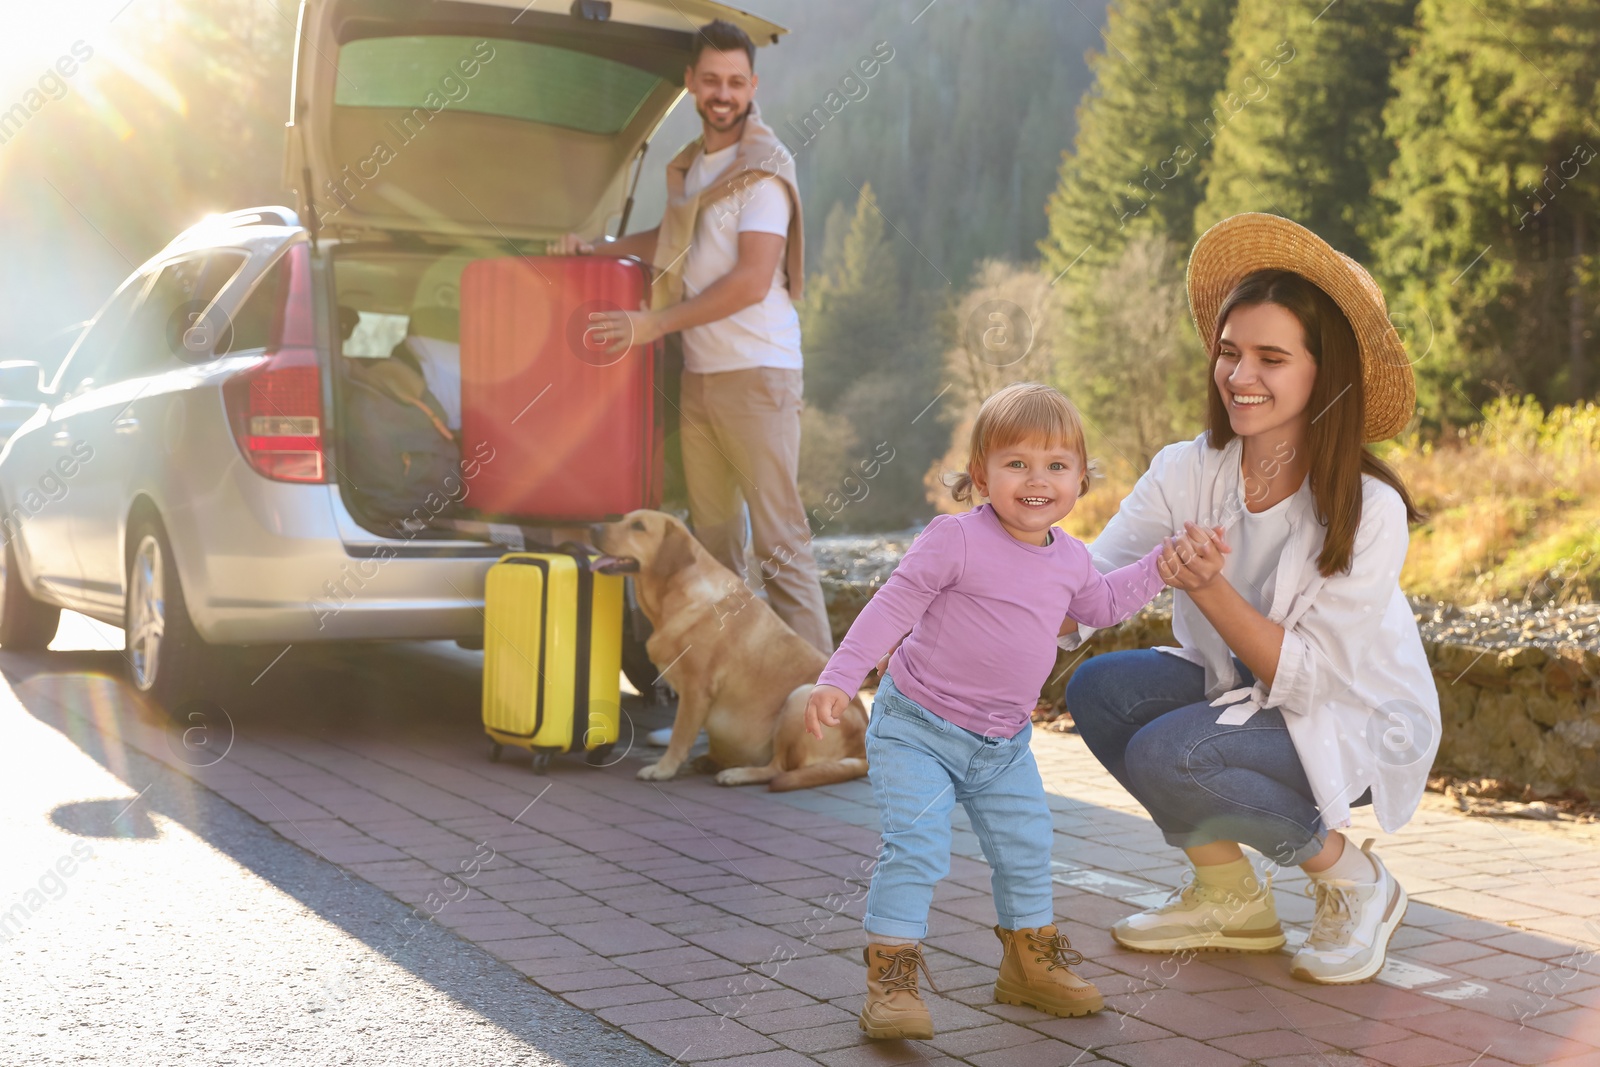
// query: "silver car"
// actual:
[[186, 476]]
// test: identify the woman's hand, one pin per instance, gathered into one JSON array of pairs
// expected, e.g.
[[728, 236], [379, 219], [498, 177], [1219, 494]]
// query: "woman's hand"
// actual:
[[823, 708], [571, 244], [1193, 560]]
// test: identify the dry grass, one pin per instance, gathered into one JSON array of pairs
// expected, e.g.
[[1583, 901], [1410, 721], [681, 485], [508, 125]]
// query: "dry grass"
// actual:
[[1513, 504]]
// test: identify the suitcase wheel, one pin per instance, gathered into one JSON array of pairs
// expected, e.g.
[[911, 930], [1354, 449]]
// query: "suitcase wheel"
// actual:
[[599, 757], [541, 761], [495, 748]]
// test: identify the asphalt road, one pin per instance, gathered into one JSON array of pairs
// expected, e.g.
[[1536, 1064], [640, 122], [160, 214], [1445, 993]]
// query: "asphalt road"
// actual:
[[143, 920]]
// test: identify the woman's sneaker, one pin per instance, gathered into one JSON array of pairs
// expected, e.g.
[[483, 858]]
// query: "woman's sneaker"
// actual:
[[1351, 932], [1205, 918]]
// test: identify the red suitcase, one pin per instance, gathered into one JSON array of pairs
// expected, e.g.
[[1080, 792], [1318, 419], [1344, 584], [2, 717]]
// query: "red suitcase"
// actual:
[[576, 431]]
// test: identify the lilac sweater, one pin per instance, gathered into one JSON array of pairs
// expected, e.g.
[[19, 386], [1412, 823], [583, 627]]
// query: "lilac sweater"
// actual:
[[983, 610]]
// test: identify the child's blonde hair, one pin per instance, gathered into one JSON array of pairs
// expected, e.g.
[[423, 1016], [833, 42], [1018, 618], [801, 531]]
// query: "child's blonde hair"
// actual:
[[1023, 411]]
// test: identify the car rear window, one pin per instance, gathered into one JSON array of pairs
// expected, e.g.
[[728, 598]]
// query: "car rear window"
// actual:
[[523, 80]]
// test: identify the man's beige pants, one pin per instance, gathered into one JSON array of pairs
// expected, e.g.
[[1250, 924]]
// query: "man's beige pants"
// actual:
[[741, 439]]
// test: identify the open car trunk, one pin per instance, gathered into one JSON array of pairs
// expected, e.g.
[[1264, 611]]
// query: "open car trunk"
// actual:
[[427, 134], [396, 386], [493, 119]]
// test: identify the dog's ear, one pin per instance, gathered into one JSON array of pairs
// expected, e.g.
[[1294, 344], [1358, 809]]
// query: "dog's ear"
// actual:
[[674, 553]]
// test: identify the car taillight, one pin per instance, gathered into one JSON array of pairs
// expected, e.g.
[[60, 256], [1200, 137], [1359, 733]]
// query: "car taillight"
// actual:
[[275, 406], [276, 411]]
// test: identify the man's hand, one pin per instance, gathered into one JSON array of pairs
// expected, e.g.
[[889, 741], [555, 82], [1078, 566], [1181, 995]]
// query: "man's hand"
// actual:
[[1193, 560], [572, 245], [823, 708], [621, 330]]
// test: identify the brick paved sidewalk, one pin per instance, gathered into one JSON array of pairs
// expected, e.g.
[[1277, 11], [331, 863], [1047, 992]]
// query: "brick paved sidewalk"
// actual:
[[703, 920]]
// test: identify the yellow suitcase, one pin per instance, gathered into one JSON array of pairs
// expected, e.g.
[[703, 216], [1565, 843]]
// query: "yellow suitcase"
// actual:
[[552, 653]]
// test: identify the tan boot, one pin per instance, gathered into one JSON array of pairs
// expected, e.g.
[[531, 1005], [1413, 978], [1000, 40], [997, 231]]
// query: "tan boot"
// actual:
[[894, 1007], [1035, 971]]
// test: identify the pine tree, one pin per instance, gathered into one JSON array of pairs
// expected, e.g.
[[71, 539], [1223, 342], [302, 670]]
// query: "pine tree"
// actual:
[[1131, 359], [1307, 141], [871, 364], [1489, 248], [1143, 138], [850, 317]]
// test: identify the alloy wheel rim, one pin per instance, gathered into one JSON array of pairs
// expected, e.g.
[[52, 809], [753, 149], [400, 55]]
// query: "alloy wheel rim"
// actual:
[[147, 611]]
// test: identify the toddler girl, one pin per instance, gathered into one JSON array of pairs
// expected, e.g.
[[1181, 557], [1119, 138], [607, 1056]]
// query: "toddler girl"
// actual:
[[982, 596]]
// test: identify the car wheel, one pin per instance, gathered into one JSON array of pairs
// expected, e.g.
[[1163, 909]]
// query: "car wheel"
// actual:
[[25, 623], [167, 659]]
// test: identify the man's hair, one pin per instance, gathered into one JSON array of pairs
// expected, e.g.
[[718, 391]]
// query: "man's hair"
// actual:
[[722, 36]]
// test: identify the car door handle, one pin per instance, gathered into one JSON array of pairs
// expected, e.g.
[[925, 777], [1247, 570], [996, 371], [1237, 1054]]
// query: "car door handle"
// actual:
[[126, 424]]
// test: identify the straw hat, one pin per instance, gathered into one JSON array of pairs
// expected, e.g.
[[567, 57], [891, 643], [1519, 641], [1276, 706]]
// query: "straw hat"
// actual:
[[1254, 241]]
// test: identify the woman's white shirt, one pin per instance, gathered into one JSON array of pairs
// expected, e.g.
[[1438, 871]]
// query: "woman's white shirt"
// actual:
[[1353, 681]]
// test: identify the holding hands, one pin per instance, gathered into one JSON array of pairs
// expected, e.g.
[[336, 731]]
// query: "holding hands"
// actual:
[[1192, 560]]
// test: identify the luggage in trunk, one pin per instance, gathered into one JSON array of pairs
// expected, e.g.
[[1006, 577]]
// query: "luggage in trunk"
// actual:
[[576, 431], [552, 656]]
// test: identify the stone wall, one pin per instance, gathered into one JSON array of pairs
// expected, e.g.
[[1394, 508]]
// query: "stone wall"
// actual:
[[1527, 715]]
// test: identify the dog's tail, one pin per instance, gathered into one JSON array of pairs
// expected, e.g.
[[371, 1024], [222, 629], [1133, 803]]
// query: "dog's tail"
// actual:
[[826, 772]]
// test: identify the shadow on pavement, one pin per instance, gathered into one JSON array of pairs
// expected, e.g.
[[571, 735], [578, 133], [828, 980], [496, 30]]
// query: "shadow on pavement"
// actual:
[[347, 691]]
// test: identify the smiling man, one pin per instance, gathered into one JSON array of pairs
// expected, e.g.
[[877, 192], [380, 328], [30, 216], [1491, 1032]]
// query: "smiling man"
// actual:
[[729, 265]]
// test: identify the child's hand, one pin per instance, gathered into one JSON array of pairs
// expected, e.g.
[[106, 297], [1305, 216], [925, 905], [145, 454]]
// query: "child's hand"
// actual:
[[823, 708], [1193, 559]]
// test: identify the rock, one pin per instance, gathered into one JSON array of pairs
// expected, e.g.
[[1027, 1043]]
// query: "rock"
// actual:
[[1584, 733], [1522, 656]]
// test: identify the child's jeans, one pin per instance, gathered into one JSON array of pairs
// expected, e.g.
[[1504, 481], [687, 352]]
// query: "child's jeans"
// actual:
[[920, 765]]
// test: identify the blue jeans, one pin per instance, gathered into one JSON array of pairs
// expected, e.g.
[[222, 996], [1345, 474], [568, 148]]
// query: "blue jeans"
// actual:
[[1144, 715], [920, 765]]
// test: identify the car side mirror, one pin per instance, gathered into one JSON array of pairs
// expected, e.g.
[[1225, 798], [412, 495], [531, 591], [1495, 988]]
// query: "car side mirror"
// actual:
[[20, 380]]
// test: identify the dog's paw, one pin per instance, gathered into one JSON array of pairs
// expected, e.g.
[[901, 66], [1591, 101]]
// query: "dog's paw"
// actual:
[[744, 776], [657, 772]]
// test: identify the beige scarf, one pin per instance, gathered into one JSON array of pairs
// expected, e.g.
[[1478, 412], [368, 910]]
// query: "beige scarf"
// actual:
[[759, 156]]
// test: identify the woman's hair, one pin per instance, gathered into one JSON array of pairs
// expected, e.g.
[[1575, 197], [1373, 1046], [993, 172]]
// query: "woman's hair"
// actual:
[[1022, 412], [1334, 437]]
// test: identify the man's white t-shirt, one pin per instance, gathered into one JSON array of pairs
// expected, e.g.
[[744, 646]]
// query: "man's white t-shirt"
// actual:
[[767, 333]]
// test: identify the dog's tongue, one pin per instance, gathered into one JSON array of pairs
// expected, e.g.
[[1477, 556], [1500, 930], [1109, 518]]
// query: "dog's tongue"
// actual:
[[615, 564]]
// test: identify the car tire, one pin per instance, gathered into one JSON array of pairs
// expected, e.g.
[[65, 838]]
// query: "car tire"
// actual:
[[26, 625], [168, 662]]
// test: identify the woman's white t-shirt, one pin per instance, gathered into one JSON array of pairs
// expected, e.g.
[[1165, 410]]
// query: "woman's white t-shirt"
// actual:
[[767, 333], [1257, 542]]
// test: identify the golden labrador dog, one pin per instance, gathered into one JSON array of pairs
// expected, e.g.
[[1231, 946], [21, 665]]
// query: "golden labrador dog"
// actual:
[[739, 671]]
